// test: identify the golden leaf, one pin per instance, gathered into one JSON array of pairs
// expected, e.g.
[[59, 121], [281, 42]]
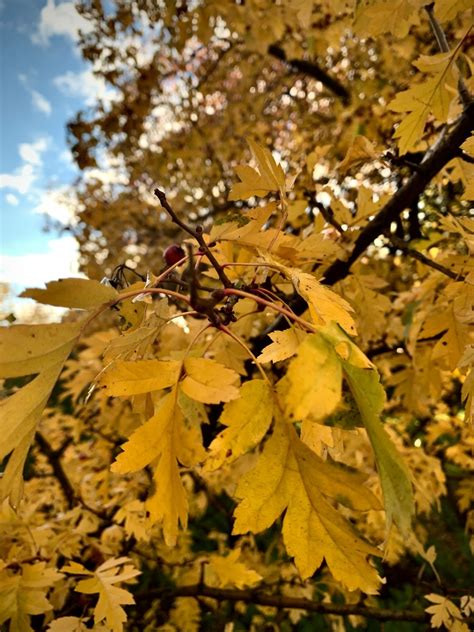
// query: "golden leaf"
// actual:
[[313, 381], [208, 381], [74, 293], [361, 151], [111, 597], [123, 379], [289, 476], [247, 419], [269, 177]]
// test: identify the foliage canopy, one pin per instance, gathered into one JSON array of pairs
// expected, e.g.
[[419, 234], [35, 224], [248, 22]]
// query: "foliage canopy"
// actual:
[[270, 427]]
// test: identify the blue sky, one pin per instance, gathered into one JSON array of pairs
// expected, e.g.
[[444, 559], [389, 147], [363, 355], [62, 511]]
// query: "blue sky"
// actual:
[[43, 83]]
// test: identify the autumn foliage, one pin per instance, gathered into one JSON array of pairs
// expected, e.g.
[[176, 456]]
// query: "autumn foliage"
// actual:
[[257, 412]]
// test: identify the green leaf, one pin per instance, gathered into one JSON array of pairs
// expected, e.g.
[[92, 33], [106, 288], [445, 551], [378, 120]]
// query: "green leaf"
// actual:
[[394, 475]]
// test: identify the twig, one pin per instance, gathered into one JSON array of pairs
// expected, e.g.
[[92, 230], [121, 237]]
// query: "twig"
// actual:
[[281, 601], [198, 236], [401, 245], [444, 48]]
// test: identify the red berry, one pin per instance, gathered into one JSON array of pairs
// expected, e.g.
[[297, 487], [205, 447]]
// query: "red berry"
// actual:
[[173, 254]]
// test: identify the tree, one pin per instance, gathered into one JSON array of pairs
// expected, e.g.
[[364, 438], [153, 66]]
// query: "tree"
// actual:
[[263, 417]]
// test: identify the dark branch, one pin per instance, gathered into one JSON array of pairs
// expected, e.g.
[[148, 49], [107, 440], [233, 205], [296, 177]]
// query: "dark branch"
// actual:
[[280, 601], [406, 195], [54, 459], [401, 245], [312, 70]]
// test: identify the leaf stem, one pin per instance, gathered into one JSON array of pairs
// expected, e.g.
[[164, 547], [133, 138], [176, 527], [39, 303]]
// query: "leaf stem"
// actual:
[[278, 308], [248, 350]]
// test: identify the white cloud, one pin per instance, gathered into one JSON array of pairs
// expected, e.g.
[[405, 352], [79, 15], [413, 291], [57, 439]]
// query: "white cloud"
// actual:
[[59, 19], [12, 199], [41, 103], [54, 203], [31, 152], [84, 85], [22, 179], [34, 269]]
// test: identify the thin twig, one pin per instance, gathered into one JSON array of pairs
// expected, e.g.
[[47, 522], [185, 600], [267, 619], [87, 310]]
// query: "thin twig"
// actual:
[[198, 236], [401, 245]]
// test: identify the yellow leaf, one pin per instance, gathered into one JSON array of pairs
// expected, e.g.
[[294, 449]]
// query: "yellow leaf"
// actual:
[[24, 594], [28, 349], [361, 151], [163, 439], [468, 146], [314, 380], [289, 476], [270, 176], [228, 571], [131, 310], [111, 598], [448, 9], [267, 166], [123, 379], [255, 220], [74, 293], [385, 16], [247, 419], [324, 304], [434, 95], [284, 345], [20, 413], [68, 624], [444, 612], [208, 381]]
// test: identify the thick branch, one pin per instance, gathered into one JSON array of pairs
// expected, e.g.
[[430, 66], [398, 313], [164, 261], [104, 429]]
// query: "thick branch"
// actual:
[[406, 195], [312, 70], [280, 601]]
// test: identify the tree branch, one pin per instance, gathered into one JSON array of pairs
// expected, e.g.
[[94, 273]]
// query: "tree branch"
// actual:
[[280, 601], [401, 245], [312, 70], [198, 236], [406, 195], [54, 459]]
